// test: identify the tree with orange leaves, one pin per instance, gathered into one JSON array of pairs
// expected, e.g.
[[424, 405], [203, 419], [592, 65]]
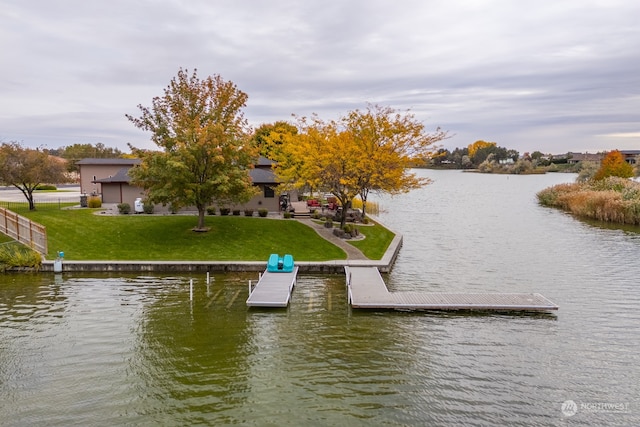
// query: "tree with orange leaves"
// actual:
[[614, 164]]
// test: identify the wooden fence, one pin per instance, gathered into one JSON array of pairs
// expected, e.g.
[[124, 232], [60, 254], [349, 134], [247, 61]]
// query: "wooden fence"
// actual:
[[23, 230]]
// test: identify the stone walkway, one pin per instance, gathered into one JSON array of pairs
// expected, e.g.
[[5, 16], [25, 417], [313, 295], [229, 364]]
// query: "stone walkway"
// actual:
[[353, 253]]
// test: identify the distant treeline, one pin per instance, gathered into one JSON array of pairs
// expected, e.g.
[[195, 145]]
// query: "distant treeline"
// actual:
[[490, 158]]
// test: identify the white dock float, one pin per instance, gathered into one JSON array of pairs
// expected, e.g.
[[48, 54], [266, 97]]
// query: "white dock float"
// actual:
[[366, 289], [273, 289]]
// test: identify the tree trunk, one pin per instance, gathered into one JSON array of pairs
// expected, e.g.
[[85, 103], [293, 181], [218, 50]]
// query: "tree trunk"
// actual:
[[201, 212], [343, 217], [32, 203]]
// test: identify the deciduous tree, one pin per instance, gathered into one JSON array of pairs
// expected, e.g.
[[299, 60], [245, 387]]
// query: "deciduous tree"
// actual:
[[477, 146], [614, 164], [26, 168], [269, 137], [74, 153], [206, 153], [364, 151], [387, 144]]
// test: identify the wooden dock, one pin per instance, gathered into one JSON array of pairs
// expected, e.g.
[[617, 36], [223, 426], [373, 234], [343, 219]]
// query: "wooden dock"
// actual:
[[273, 289], [366, 289]]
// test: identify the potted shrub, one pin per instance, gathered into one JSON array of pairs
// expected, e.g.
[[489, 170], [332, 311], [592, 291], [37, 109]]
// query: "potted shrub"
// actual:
[[263, 212]]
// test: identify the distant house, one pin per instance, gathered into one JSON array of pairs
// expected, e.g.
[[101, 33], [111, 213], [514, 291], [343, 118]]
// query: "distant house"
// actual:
[[110, 179], [573, 158], [93, 170], [630, 156]]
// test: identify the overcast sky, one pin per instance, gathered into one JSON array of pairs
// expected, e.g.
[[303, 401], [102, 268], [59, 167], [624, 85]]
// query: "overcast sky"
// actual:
[[549, 75]]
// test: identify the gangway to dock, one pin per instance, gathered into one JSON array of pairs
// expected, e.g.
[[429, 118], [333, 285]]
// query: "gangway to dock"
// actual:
[[273, 289], [366, 289]]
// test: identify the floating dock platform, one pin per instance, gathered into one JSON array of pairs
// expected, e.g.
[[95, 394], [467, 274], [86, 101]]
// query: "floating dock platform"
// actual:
[[273, 289], [366, 289]]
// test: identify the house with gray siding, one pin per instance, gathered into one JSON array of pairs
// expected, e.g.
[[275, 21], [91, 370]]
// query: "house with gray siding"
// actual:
[[110, 179]]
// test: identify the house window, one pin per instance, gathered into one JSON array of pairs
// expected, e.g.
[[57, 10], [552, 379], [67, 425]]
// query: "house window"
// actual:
[[269, 193]]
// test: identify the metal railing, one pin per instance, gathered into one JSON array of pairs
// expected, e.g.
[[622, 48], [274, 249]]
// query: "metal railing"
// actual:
[[49, 203]]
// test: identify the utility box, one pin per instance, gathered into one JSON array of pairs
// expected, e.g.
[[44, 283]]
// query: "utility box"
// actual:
[[138, 206]]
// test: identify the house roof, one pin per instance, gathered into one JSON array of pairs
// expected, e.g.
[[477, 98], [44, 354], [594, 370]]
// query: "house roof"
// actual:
[[262, 176], [123, 162], [259, 175], [263, 161], [121, 176]]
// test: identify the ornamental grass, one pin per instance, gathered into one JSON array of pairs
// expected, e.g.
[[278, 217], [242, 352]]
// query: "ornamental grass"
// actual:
[[611, 199]]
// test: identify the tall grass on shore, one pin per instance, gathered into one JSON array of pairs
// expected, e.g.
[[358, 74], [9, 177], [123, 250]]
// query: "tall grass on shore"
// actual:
[[16, 255], [611, 199], [373, 208]]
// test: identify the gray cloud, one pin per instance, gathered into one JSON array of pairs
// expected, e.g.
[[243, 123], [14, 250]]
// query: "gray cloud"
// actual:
[[551, 76]]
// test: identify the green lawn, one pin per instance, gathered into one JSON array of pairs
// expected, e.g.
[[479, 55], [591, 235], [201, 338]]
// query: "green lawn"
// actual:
[[377, 240], [82, 235]]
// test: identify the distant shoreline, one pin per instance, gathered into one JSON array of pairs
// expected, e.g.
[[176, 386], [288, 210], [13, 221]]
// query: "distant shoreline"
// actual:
[[613, 199]]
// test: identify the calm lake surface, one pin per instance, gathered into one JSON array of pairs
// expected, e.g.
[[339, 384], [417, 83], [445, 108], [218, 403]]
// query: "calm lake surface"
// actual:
[[79, 350]]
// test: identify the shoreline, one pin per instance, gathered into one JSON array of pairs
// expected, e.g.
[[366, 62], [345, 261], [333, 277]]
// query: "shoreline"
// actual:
[[385, 264]]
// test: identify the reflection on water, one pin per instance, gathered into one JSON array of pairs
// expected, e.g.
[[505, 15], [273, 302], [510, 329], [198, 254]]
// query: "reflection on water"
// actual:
[[131, 350]]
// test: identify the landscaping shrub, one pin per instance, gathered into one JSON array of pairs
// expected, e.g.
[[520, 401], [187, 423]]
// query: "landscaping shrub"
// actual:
[[338, 232], [328, 223], [124, 208], [94, 202], [263, 212], [224, 211], [147, 207], [211, 210], [287, 214], [248, 212], [46, 187], [236, 212]]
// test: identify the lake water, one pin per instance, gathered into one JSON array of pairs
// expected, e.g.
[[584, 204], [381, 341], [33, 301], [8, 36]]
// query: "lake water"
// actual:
[[80, 350]]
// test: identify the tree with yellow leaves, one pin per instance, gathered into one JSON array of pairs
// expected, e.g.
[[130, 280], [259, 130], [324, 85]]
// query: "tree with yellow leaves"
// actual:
[[390, 142], [478, 145], [364, 151]]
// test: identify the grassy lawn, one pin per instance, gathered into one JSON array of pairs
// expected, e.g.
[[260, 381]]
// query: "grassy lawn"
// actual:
[[82, 235], [376, 242]]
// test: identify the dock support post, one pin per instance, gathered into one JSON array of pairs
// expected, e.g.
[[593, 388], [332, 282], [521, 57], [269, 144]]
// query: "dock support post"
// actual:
[[191, 290]]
